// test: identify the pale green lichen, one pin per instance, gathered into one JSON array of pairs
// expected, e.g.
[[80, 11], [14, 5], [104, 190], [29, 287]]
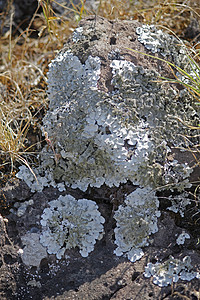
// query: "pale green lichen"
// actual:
[[36, 181], [172, 50], [68, 223], [78, 34], [171, 271], [33, 252], [181, 238], [167, 45], [21, 207], [109, 138], [114, 137], [179, 203], [135, 223]]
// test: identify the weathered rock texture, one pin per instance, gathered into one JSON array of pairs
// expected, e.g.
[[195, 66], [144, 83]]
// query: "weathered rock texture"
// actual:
[[114, 136]]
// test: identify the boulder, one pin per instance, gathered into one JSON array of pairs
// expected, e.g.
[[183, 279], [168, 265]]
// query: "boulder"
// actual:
[[110, 209], [111, 118]]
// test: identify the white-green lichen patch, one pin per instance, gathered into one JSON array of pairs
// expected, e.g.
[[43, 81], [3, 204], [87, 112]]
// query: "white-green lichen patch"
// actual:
[[176, 175], [33, 252], [179, 203], [20, 208], [78, 34], [171, 271], [135, 223], [37, 181], [156, 40], [68, 223], [171, 49], [181, 238], [109, 138]]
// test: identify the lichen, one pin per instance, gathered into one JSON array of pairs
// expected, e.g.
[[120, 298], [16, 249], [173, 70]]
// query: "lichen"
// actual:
[[181, 238], [176, 175], [77, 34], [68, 223], [36, 181], [167, 45], [171, 49], [179, 203], [20, 207], [109, 138], [135, 223], [170, 271], [33, 252]]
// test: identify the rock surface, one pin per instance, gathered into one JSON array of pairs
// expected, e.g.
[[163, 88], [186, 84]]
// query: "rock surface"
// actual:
[[102, 274], [111, 118]]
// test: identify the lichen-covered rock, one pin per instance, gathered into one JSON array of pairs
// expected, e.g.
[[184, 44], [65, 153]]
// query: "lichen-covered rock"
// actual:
[[68, 223], [171, 271], [111, 118], [136, 222]]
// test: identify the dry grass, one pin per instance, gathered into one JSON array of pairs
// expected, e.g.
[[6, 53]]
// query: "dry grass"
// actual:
[[24, 64], [25, 56]]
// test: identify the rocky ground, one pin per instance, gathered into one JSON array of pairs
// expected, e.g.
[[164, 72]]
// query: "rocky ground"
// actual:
[[102, 275]]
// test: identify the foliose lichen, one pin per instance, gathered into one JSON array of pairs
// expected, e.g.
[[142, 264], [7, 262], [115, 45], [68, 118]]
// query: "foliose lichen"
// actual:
[[20, 208], [179, 203], [176, 175], [135, 223], [181, 238], [109, 138], [33, 252], [157, 40], [172, 49], [36, 181], [68, 223], [77, 34], [171, 271]]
